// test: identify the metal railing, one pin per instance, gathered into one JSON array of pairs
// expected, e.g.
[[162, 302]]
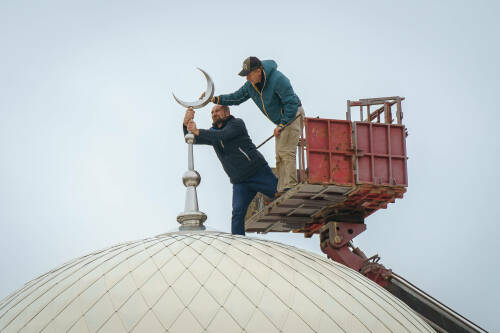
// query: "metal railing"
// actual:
[[301, 152], [365, 113]]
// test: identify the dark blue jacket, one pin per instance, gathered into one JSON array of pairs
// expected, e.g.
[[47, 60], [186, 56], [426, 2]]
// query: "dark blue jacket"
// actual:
[[277, 101], [234, 148]]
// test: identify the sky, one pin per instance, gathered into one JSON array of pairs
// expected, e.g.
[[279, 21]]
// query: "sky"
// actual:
[[92, 151]]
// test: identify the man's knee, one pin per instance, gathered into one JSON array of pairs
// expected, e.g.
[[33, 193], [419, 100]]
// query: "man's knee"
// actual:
[[239, 211], [285, 156], [288, 147]]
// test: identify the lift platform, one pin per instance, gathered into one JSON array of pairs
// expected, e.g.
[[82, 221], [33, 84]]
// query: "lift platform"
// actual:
[[347, 171]]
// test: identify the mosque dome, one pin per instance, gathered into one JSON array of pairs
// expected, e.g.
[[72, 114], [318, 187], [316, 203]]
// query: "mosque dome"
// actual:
[[204, 281]]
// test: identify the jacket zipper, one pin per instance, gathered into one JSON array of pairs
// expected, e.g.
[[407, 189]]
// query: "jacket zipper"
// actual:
[[260, 94], [244, 153], [221, 144]]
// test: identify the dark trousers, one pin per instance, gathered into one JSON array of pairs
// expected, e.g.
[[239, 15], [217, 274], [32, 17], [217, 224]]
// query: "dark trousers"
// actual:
[[264, 181]]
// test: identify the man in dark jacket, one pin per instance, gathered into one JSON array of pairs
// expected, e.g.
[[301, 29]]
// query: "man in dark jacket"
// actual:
[[273, 94], [247, 169]]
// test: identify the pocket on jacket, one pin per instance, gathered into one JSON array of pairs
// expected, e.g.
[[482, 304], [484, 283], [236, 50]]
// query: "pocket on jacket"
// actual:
[[244, 153]]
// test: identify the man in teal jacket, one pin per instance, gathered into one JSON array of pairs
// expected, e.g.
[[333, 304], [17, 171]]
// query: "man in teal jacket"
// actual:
[[274, 95]]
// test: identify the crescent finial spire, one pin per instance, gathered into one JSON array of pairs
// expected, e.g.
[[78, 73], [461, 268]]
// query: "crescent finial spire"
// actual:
[[209, 93]]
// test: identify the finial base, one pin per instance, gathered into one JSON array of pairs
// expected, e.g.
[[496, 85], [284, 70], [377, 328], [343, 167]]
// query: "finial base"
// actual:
[[191, 220]]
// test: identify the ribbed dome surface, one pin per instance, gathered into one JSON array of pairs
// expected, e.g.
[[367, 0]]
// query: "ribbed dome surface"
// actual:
[[204, 281]]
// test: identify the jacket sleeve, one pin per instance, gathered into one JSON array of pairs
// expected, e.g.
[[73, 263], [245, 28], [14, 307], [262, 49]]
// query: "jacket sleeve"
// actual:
[[236, 98], [289, 100], [232, 130], [197, 139]]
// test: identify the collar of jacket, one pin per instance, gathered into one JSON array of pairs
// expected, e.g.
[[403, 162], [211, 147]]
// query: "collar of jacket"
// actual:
[[261, 81], [224, 122]]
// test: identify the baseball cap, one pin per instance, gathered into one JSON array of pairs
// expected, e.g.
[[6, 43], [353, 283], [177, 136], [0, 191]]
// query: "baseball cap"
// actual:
[[249, 64]]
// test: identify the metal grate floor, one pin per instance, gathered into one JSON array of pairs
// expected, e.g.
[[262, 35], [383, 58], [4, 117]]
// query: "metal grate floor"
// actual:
[[294, 209]]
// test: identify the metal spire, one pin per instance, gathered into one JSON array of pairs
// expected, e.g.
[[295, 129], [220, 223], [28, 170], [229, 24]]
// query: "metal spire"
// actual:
[[191, 218]]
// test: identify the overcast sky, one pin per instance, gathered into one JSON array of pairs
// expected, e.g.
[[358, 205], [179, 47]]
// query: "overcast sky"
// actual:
[[92, 152]]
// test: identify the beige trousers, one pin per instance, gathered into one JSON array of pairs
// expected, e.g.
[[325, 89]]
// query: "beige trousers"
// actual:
[[286, 151]]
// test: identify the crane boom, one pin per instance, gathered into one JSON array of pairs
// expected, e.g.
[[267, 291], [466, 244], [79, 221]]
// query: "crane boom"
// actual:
[[336, 243], [438, 315]]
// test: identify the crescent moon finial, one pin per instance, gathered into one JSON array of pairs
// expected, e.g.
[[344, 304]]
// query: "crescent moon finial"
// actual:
[[209, 93]]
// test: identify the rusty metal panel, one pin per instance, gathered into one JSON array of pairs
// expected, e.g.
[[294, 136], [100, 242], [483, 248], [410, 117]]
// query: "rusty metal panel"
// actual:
[[380, 154], [329, 151]]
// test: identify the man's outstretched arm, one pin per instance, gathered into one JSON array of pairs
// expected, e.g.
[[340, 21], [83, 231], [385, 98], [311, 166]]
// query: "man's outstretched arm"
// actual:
[[236, 98], [232, 130]]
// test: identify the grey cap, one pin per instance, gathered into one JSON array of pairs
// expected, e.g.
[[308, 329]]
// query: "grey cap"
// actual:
[[250, 64]]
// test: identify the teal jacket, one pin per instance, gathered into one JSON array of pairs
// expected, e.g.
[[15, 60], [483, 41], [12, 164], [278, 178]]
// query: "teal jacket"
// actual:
[[277, 101]]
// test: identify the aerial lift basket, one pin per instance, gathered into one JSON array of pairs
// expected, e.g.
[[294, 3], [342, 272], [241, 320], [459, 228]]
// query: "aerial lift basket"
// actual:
[[347, 170]]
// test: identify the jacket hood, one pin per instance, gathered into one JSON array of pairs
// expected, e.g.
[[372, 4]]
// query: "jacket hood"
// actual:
[[269, 66]]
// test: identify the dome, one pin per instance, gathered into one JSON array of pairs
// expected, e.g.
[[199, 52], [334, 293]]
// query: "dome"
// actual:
[[204, 281]]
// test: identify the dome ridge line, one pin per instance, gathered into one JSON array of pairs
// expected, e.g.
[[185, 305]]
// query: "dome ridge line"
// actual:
[[205, 280], [356, 278], [279, 274], [73, 262], [101, 254]]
